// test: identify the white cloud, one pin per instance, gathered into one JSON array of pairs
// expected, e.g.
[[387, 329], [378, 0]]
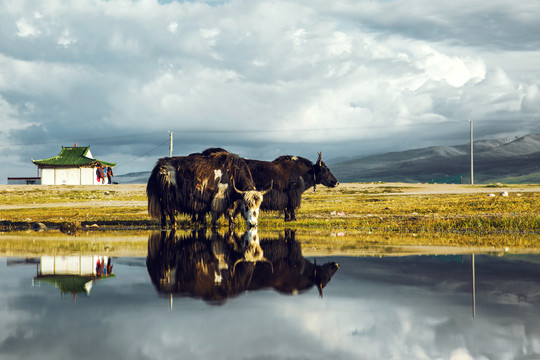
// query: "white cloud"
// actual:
[[124, 44], [172, 27], [9, 118], [375, 68], [27, 29], [531, 100], [66, 40]]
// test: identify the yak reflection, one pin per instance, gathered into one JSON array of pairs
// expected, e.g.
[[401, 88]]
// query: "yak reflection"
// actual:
[[217, 267]]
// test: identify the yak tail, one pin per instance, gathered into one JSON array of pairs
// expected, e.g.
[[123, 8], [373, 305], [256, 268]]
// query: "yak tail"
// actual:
[[162, 190]]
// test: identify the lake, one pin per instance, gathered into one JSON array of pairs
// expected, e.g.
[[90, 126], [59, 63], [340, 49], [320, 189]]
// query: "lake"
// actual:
[[199, 297]]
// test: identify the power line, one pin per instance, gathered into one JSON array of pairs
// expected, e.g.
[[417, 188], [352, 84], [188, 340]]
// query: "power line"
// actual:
[[101, 139], [140, 156], [82, 140]]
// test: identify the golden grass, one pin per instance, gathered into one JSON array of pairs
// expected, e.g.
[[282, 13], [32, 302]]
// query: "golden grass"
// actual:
[[348, 219], [30, 243]]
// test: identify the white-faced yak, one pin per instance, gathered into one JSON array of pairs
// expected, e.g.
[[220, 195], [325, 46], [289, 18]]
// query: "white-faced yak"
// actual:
[[217, 183]]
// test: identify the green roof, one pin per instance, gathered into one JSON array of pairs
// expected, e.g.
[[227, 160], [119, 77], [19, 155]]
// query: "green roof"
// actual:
[[71, 283], [72, 156]]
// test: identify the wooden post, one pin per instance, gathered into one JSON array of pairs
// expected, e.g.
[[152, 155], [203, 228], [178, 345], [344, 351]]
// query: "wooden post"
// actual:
[[472, 154], [170, 143]]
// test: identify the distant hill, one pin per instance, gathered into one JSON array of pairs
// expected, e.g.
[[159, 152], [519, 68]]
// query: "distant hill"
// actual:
[[510, 160], [133, 178]]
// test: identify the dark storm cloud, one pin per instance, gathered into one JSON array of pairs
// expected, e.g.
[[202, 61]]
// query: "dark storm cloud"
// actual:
[[261, 78]]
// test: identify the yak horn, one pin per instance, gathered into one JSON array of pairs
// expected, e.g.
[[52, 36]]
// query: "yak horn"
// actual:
[[268, 261], [319, 287], [319, 159], [234, 266], [269, 189], [255, 262], [235, 189]]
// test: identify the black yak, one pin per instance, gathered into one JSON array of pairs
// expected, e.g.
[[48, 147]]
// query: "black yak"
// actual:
[[291, 177], [217, 183], [291, 272]]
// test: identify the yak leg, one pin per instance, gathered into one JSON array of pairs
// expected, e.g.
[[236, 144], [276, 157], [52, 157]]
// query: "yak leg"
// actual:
[[232, 212], [198, 218], [163, 218], [293, 215], [173, 220], [215, 218], [202, 218], [231, 215], [289, 214]]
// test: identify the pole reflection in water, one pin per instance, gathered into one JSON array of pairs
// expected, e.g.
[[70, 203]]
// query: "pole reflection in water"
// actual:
[[390, 307], [217, 267]]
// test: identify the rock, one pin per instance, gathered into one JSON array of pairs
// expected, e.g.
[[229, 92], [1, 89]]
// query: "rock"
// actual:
[[70, 227], [39, 226]]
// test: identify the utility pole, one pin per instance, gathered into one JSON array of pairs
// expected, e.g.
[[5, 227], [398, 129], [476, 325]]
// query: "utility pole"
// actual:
[[472, 153], [170, 143]]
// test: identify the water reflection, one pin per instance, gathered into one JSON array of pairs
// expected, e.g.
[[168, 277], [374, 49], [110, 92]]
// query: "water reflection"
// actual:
[[73, 274], [409, 307], [217, 267]]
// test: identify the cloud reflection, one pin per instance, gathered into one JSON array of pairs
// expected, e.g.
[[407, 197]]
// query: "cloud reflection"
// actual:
[[375, 308]]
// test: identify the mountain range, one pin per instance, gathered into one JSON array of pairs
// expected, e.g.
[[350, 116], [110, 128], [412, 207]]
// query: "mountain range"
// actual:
[[508, 160]]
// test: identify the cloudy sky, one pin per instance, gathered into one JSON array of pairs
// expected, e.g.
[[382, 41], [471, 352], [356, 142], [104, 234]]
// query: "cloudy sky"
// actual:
[[261, 78]]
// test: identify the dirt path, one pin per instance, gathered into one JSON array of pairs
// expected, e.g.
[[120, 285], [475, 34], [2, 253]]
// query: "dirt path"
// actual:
[[430, 189], [75, 204], [138, 190]]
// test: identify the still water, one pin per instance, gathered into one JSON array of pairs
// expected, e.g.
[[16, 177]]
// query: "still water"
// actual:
[[195, 297]]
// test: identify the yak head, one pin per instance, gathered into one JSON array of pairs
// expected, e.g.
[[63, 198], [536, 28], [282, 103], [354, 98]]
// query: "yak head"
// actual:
[[251, 249], [323, 175], [251, 202], [323, 274]]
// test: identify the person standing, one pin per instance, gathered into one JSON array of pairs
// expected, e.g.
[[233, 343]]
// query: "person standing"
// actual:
[[109, 174], [102, 174]]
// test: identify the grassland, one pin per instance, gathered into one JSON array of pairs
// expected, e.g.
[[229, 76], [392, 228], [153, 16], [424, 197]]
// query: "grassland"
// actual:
[[349, 219]]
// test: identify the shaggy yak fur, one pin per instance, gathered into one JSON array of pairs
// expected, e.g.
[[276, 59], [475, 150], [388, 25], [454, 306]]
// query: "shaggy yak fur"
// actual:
[[215, 182], [212, 268], [291, 176], [288, 177], [215, 268]]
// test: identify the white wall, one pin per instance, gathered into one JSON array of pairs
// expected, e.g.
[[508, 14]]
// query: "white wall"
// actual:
[[47, 177], [70, 176], [88, 176], [60, 176], [74, 176], [69, 265]]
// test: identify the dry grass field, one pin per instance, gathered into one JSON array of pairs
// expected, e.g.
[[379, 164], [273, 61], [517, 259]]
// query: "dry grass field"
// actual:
[[350, 219]]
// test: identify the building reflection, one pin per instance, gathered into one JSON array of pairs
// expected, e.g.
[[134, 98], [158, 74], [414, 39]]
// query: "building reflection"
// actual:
[[73, 274], [217, 267]]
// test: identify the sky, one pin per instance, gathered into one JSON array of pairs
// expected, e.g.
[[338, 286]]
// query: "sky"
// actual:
[[261, 78]]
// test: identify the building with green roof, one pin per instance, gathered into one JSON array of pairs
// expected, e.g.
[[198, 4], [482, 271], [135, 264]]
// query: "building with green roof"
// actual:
[[73, 166]]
